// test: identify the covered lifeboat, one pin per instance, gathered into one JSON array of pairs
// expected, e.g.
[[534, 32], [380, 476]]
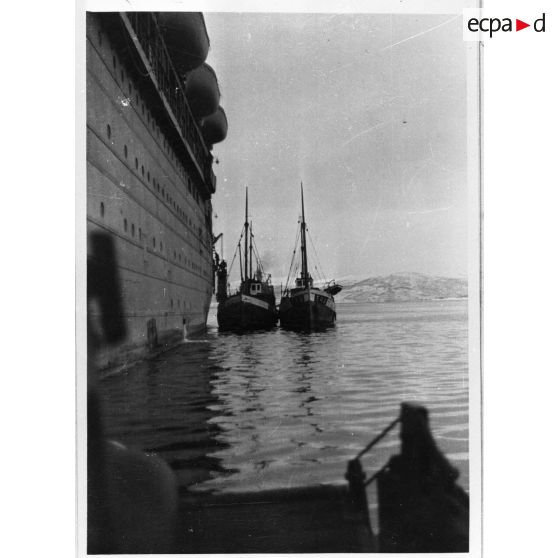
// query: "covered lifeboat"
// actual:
[[214, 127], [186, 39], [202, 91]]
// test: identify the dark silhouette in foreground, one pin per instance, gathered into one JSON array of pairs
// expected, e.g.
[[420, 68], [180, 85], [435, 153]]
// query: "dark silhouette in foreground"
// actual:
[[421, 506], [131, 496]]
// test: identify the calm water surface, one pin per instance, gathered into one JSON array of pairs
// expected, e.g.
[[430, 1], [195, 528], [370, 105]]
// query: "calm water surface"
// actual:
[[282, 409]]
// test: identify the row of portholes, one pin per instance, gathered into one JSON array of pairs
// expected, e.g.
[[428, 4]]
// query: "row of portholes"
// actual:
[[151, 122], [160, 190], [131, 227], [140, 234]]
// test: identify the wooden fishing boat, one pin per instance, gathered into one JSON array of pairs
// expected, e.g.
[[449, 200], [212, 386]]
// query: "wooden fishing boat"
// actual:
[[305, 306], [252, 306]]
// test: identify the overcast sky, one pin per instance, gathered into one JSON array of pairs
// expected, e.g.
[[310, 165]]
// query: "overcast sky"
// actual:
[[369, 111]]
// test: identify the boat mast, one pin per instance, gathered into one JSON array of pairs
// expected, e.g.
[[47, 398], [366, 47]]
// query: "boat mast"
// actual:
[[246, 238], [304, 272], [240, 260], [251, 248]]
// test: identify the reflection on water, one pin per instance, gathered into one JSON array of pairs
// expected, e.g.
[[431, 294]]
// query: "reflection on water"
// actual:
[[278, 409]]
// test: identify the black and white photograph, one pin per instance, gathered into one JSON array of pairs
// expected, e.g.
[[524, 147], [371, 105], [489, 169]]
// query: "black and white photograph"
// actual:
[[283, 279]]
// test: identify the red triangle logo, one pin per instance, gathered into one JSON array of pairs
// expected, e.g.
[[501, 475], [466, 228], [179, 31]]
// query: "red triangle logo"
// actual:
[[519, 25]]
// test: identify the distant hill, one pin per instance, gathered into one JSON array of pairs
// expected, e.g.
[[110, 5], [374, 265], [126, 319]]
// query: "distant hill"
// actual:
[[400, 287]]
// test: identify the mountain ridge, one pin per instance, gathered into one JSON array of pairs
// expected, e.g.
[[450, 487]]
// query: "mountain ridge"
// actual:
[[402, 287]]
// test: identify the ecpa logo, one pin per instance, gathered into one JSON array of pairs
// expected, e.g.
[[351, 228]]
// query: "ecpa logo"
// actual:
[[476, 26]]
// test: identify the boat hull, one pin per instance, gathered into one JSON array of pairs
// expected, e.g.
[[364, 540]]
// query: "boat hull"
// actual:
[[151, 199], [244, 312], [308, 310]]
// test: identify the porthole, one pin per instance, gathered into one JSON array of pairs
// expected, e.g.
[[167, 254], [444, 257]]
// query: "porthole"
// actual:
[[148, 177], [142, 108], [126, 225], [109, 131], [171, 303], [140, 233], [137, 163], [122, 76], [114, 62], [161, 246], [163, 192], [102, 209], [175, 254], [126, 151], [130, 89], [142, 171], [153, 242], [133, 230], [158, 187], [137, 99]]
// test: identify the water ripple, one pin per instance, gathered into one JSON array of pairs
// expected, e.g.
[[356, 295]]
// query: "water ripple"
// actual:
[[277, 409]]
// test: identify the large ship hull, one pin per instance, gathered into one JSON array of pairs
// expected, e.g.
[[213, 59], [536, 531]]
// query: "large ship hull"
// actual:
[[244, 312], [148, 189], [311, 309]]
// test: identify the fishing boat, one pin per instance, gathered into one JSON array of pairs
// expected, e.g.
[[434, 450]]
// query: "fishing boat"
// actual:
[[253, 305], [304, 306]]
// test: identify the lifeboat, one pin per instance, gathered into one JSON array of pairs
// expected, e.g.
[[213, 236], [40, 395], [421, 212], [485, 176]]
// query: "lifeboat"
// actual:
[[214, 127], [186, 38], [202, 91]]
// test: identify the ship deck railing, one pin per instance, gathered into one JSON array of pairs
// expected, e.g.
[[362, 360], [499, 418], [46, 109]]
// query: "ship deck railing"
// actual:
[[147, 32]]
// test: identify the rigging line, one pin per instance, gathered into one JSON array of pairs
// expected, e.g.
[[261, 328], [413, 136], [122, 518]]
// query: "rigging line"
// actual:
[[317, 259], [295, 274], [258, 258], [241, 234], [257, 254], [293, 258], [291, 264], [254, 247], [234, 257]]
